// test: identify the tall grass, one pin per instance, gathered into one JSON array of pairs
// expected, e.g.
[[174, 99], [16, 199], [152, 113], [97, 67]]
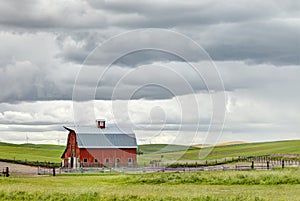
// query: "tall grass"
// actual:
[[272, 177], [219, 185], [93, 196]]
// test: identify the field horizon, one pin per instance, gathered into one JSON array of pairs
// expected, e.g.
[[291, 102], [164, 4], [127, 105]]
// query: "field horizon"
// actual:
[[169, 152]]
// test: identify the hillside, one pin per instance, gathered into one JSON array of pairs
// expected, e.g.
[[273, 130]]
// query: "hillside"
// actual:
[[250, 149], [218, 152], [31, 152], [163, 148], [52, 153]]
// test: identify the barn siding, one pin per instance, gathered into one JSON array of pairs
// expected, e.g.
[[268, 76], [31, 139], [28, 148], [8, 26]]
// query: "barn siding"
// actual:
[[111, 154], [71, 150]]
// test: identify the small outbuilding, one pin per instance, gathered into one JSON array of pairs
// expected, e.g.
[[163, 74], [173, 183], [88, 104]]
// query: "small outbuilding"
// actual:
[[99, 146]]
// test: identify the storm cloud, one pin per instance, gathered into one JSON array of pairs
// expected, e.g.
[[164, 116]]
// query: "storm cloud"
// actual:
[[254, 46]]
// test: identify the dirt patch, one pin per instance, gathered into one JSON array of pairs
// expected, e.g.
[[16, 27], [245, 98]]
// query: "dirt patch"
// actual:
[[16, 169]]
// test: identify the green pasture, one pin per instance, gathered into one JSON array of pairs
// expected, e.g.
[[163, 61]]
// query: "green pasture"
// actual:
[[156, 152], [220, 185], [275, 184], [31, 152], [160, 152]]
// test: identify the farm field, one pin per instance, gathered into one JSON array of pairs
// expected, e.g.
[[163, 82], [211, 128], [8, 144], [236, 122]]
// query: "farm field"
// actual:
[[274, 184], [52, 153], [230, 185], [154, 152], [31, 152]]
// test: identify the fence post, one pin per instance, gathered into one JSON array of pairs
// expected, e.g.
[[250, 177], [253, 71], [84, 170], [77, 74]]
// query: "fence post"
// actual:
[[268, 164], [53, 171], [282, 163], [7, 172], [252, 165]]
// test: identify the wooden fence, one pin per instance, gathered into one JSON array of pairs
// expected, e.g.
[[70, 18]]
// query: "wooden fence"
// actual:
[[5, 172]]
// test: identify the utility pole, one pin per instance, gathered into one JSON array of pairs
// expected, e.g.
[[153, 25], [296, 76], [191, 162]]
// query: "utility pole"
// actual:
[[27, 138]]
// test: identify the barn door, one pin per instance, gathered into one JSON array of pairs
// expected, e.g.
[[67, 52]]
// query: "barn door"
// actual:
[[72, 162], [72, 158], [117, 164]]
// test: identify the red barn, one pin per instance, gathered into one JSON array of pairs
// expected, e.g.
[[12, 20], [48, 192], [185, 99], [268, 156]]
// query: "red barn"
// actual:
[[99, 146]]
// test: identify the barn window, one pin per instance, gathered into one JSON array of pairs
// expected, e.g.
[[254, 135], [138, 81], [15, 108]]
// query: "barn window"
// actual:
[[129, 160], [85, 160], [107, 160], [96, 160], [117, 160]]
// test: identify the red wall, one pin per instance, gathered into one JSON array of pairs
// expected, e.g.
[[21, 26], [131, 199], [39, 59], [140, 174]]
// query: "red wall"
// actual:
[[111, 154], [72, 146]]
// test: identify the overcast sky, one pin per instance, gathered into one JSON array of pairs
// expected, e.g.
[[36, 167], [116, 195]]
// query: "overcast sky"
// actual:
[[252, 46]]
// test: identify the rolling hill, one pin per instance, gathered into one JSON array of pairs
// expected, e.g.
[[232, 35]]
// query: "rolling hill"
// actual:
[[183, 153], [31, 152], [52, 153]]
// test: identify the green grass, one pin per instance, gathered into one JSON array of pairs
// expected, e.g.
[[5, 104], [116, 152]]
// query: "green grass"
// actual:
[[221, 185], [273, 177], [163, 148], [31, 152], [52, 153], [254, 185], [219, 152]]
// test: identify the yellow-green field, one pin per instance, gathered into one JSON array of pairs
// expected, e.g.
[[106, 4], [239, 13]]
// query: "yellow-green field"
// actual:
[[275, 184], [31, 152], [229, 185], [52, 153], [181, 153]]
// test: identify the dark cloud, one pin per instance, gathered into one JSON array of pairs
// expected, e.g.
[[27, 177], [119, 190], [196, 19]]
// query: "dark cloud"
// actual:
[[36, 15], [255, 45], [276, 42], [272, 41], [257, 32], [164, 14]]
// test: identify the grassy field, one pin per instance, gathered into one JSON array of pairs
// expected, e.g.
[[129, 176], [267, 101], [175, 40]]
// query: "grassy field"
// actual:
[[31, 152], [52, 153], [254, 185], [218, 152], [243, 185]]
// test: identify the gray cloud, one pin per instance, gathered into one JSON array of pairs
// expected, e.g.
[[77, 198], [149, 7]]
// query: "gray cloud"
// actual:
[[254, 44], [259, 32], [275, 41], [164, 14]]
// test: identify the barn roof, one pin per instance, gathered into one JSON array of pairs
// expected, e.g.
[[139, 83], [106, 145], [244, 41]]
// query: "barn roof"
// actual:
[[110, 137]]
